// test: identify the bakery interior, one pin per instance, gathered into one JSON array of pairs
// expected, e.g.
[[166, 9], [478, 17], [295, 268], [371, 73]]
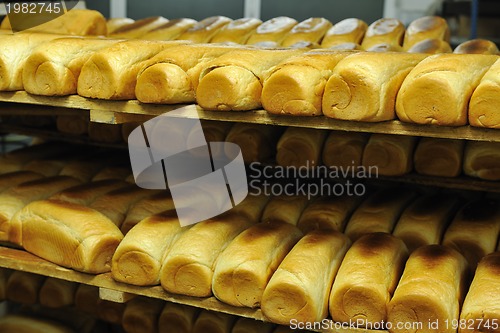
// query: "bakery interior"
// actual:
[[356, 147]]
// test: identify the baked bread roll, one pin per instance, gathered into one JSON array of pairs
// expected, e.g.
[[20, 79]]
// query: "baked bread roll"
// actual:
[[430, 46], [74, 124], [483, 103], [430, 291], [112, 73], [245, 267], [300, 147], [107, 133], [87, 299], [345, 47], [46, 167], [87, 193], [25, 324], [300, 287], [111, 312], [354, 92], [4, 277], [438, 89], [67, 234], [247, 325], [214, 131], [88, 165], [138, 28], [477, 46], [390, 155], [367, 279], [385, 30], [439, 157], [205, 30], [234, 80], [273, 30], [237, 31], [115, 23], [295, 86], [328, 212], [474, 230], [170, 30], [215, 322], [311, 30], [24, 287], [53, 68], [480, 309], [427, 27], [284, 209], [344, 150], [252, 207], [481, 160], [138, 258], [424, 221], [112, 172], [351, 30], [12, 179], [141, 315], [379, 212], [385, 47], [257, 142], [177, 318], [56, 293]]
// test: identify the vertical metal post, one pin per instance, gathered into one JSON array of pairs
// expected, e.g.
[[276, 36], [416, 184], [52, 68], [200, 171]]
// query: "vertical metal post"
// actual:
[[118, 8], [252, 8], [473, 18], [391, 8]]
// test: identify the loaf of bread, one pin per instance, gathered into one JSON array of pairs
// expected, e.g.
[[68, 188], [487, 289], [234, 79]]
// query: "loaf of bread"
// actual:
[[138, 28], [141, 315], [345, 47], [300, 147], [482, 106], [237, 31], [245, 267], [354, 92], [106, 133], [351, 30], [257, 142], [385, 47], [87, 298], [430, 46], [328, 212], [25, 324], [214, 322], [115, 172], [424, 221], [12, 179], [389, 155], [247, 325], [438, 89], [300, 287], [481, 160], [481, 309], [47, 167], [56, 293], [75, 124], [177, 318], [424, 28], [284, 209], [273, 30], [111, 312], [172, 75], [310, 30], [4, 277], [84, 168], [170, 30], [430, 291], [439, 157], [344, 150], [87, 193], [379, 212], [67, 234], [252, 207], [367, 279], [474, 230], [205, 30], [477, 46], [24, 287], [385, 30], [112, 72], [115, 23], [295, 86], [234, 80]]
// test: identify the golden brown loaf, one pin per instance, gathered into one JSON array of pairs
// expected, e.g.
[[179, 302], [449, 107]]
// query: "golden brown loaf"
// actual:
[[139, 257], [56, 293], [25, 324], [115, 23], [138, 28], [483, 104], [213, 322], [273, 30], [354, 91], [86, 298], [438, 89], [188, 268], [141, 315], [237, 31], [474, 230], [424, 221], [284, 209], [345, 47], [385, 30], [234, 80], [477, 46], [379, 212], [244, 268], [391, 155], [300, 147], [205, 30], [328, 212], [102, 132], [430, 46], [252, 207], [349, 30], [115, 172], [295, 86], [87, 193], [68, 234], [75, 124], [257, 142], [300, 287], [4, 277], [384, 47], [481, 309], [431, 290], [247, 325], [170, 30], [24, 287], [177, 318], [310, 30], [481, 160], [11, 179], [427, 27], [439, 157], [214, 131], [111, 312], [85, 167], [344, 150], [367, 279], [112, 73]]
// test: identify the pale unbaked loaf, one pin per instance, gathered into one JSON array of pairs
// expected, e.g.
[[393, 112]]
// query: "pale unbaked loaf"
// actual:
[[205, 30], [300, 147], [284, 209], [483, 103], [177, 318], [56, 293], [273, 30], [439, 157], [385, 30], [310, 30], [481, 160], [344, 150], [427, 27], [141, 315], [237, 31]]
